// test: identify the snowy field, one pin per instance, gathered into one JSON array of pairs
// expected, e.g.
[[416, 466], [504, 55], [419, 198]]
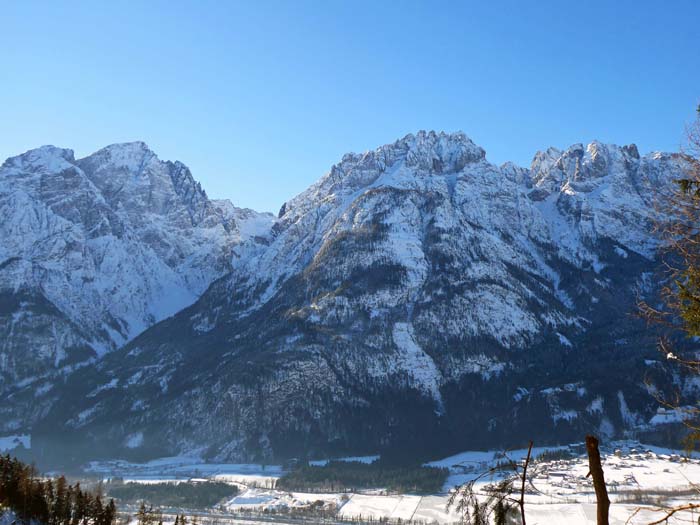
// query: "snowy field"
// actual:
[[560, 493], [406, 507], [585, 514], [432, 509], [184, 468]]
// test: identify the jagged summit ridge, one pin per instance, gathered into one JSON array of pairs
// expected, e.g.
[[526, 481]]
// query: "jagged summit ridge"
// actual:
[[570, 199], [424, 153], [132, 176], [450, 151]]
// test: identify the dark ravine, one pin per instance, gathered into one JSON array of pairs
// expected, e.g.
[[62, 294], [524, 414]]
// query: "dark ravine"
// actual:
[[417, 299]]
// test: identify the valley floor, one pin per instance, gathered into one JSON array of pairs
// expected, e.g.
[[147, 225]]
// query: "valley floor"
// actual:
[[642, 479]]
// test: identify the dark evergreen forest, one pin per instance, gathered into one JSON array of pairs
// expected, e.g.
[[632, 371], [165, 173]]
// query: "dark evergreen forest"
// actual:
[[34, 498]]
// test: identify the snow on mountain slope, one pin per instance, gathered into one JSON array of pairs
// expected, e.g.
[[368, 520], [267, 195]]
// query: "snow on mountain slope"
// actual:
[[439, 192], [414, 286], [599, 192], [94, 251]]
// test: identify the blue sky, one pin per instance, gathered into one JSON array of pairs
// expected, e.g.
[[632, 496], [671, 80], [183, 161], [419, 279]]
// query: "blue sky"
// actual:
[[260, 98]]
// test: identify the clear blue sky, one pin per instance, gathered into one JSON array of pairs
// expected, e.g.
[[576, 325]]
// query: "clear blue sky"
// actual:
[[259, 98]]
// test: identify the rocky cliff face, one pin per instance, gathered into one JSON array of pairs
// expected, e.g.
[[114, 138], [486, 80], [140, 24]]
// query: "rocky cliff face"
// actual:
[[93, 252], [413, 287]]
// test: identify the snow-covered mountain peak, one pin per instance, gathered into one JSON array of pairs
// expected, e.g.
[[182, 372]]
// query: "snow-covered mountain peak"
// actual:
[[132, 178], [588, 193], [441, 152], [128, 155], [579, 195], [94, 251], [584, 167], [427, 151], [43, 159], [601, 160], [424, 154]]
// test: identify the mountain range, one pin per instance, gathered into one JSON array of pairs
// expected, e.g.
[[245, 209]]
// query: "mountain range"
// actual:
[[417, 299]]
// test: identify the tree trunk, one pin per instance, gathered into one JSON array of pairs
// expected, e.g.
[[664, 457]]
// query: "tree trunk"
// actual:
[[596, 472], [521, 503]]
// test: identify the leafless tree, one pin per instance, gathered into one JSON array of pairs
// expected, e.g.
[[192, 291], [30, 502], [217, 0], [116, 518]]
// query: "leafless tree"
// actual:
[[679, 230], [678, 226], [477, 504]]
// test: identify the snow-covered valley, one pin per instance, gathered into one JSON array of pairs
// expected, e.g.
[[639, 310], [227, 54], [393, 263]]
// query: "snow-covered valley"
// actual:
[[642, 480]]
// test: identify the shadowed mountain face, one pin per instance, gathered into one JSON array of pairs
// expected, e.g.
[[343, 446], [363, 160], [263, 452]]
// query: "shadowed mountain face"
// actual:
[[417, 299]]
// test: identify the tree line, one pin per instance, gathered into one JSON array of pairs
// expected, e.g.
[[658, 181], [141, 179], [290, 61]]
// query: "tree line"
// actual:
[[183, 495], [349, 476], [34, 499]]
